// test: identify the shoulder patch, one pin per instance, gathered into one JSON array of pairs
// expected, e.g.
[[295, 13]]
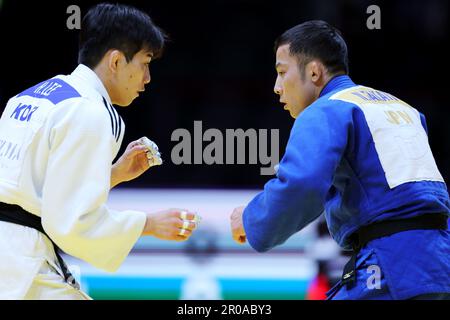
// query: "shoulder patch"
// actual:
[[365, 95], [54, 90], [399, 138]]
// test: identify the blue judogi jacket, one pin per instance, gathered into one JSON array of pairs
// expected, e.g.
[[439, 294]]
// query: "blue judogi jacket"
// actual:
[[360, 155]]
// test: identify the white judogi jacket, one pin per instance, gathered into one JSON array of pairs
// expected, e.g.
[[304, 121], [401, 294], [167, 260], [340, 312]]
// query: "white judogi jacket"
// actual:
[[57, 143]]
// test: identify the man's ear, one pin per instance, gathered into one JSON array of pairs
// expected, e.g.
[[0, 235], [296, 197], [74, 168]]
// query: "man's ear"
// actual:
[[315, 70], [114, 59]]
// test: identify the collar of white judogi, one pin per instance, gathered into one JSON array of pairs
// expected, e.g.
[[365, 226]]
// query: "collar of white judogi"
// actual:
[[90, 78]]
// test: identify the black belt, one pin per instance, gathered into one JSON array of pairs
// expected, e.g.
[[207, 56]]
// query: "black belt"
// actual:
[[386, 228], [15, 214]]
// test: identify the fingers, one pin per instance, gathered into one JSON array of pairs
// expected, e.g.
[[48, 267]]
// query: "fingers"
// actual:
[[135, 150], [237, 213], [132, 144], [138, 148], [239, 236], [184, 214], [181, 238], [136, 145], [187, 224], [185, 233], [150, 148], [237, 228], [187, 215], [148, 143], [178, 234]]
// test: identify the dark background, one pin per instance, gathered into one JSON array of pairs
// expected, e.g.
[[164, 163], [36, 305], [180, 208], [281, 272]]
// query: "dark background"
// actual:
[[219, 68]]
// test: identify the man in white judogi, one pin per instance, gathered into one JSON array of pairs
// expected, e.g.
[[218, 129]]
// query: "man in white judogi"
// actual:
[[57, 143]]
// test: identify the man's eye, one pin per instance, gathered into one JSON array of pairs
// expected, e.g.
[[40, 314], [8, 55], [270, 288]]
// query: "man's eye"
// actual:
[[281, 73]]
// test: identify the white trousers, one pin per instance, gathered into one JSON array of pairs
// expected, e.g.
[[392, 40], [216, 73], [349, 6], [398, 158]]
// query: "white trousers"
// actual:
[[29, 268]]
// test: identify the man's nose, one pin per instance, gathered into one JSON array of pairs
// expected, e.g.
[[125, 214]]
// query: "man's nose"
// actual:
[[277, 88], [277, 91]]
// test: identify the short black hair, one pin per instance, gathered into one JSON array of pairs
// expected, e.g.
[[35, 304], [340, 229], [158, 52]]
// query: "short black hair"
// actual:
[[121, 27], [316, 39]]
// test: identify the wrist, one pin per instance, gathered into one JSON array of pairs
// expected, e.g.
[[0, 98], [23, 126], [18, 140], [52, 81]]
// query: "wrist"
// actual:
[[148, 227], [115, 177]]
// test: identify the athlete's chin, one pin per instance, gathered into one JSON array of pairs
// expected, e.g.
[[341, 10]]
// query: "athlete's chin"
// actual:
[[292, 113], [295, 111], [125, 103]]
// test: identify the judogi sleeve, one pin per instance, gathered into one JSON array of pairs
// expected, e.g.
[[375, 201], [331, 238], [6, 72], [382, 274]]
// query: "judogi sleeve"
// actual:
[[297, 195], [76, 188]]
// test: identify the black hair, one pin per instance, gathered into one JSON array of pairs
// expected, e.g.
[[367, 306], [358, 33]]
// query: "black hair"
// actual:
[[116, 26], [316, 39]]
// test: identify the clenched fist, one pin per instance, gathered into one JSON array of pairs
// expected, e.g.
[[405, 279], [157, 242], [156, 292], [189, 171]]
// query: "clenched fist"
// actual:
[[171, 224], [237, 227]]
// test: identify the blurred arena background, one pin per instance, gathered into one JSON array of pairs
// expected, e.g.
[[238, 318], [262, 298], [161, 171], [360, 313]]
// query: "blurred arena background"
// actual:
[[219, 69], [208, 266]]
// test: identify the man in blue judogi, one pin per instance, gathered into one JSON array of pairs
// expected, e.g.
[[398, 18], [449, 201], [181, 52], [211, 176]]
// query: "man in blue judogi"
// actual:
[[361, 156]]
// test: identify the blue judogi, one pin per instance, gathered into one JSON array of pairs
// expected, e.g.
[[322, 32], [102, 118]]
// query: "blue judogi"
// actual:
[[362, 156]]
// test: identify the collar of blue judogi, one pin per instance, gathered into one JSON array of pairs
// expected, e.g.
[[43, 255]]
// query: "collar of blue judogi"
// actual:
[[342, 81]]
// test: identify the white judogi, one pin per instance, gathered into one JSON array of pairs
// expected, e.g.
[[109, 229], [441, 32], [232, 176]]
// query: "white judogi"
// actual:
[[57, 143]]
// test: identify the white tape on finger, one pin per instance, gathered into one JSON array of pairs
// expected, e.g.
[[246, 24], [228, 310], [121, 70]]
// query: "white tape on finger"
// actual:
[[185, 224], [153, 155], [197, 219], [182, 232]]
